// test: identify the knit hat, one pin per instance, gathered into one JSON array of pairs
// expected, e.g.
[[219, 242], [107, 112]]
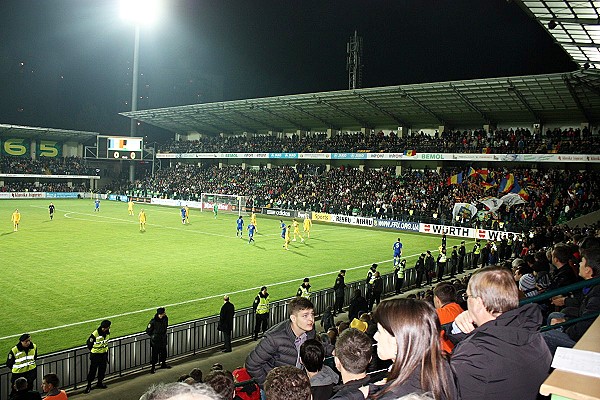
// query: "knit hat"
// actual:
[[160, 310], [374, 266], [24, 336], [358, 324], [105, 324], [306, 280]]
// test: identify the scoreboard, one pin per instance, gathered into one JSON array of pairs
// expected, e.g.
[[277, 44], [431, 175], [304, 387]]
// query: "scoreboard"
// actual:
[[124, 148]]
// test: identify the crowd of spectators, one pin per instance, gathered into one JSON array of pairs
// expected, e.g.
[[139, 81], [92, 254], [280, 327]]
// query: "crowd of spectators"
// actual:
[[45, 166], [499, 141], [20, 186], [417, 195]]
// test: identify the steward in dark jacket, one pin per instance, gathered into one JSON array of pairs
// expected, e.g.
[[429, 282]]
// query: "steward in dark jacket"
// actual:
[[505, 355], [157, 330], [226, 322]]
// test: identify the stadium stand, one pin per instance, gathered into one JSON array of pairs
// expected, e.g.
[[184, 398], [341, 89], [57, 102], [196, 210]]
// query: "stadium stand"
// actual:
[[499, 141]]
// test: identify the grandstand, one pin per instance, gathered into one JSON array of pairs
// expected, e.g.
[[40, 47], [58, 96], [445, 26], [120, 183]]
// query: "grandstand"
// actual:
[[395, 157]]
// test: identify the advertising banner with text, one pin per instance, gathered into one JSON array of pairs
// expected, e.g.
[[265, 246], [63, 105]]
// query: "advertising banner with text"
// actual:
[[397, 225]]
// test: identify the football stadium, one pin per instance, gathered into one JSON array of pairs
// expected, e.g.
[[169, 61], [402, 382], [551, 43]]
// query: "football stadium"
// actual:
[[438, 238]]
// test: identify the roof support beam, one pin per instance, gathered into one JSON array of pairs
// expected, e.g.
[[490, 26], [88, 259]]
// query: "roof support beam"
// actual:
[[295, 124], [298, 108], [576, 98], [228, 120], [470, 103], [592, 88], [422, 106], [257, 121], [216, 128], [378, 108], [513, 89], [363, 124]]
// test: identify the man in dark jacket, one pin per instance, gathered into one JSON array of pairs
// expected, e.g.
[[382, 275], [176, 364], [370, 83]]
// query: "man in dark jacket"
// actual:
[[564, 274], [589, 268], [226, 323], [353, 352], [157, 330], [340, 290], [462, 254], [357, 304], [504, 350], [420, 268], [281, 344], [22, 392]]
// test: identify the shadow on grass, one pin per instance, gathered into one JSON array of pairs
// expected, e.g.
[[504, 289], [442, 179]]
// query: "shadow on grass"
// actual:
[[7, 233]]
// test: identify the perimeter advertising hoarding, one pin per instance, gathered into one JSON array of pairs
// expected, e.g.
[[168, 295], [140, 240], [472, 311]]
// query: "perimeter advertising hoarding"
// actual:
[[324, 217], [397, 225], [448, 230], [351, 220], [278, 212], [575, 158]]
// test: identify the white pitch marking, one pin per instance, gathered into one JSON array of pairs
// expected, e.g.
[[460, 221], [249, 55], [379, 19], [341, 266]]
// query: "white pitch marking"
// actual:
[[190, 301]]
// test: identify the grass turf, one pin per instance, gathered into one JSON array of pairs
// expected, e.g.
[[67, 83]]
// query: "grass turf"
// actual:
[[62, 277]]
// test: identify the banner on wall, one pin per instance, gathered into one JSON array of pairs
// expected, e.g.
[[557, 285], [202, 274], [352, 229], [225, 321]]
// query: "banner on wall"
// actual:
[[16, 147], [48, 148]]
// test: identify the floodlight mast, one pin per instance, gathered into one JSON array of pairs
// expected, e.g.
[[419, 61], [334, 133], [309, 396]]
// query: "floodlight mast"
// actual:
[[140, 12]]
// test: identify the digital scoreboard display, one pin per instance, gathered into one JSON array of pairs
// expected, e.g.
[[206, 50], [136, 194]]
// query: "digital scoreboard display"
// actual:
[[124, 148]]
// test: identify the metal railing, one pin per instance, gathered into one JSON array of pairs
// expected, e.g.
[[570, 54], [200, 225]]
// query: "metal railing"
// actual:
[[131, 353]]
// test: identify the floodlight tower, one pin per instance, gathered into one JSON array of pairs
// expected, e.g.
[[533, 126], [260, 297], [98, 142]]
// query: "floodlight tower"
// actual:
[[354, 51], [140, 12]]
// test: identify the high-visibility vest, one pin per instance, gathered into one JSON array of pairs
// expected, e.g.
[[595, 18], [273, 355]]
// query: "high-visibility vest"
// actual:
[[101, 343], [477, 249], [304, 292], [263, 305], [400, 271], [24, 359], [442, 258]]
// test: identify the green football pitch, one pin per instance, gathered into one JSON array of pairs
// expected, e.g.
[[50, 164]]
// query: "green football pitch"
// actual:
[[62, 276]]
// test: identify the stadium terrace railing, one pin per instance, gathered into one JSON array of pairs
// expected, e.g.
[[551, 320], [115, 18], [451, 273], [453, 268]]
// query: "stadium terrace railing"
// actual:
[[131, 354]]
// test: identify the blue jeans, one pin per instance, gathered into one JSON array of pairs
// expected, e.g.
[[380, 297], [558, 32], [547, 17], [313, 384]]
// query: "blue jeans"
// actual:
[[557, 338]]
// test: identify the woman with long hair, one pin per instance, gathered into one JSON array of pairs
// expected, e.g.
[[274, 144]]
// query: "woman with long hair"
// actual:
[[408, 334]]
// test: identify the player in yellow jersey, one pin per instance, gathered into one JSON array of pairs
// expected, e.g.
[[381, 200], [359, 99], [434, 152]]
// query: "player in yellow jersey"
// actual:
[[296, 226], [286, 239], [307, 226], [142, 219], [16, 218], [130, 207], [253, 221], [187, 214]]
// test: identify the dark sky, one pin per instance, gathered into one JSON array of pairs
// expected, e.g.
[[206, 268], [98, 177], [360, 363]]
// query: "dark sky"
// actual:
[[77, 53]]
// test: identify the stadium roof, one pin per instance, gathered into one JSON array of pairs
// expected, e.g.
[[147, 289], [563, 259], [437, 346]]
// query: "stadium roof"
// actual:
[[574, 25], [61, 135], [564, 97]]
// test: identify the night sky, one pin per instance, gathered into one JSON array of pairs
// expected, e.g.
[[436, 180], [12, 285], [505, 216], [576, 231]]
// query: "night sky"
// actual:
[[77, 54]]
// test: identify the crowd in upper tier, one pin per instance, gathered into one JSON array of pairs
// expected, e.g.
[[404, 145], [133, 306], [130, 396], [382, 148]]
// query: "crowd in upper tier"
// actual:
[[499, 141], [45, 166]]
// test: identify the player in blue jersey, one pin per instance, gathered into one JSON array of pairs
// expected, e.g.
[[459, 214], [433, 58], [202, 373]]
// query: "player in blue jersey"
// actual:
[[251, 229], [97, 205], [397, 252], [240, 227], [283, 228], [183, 215]]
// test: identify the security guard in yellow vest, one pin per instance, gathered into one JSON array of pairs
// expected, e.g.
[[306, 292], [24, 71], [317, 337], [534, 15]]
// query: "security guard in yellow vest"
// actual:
[[304, 289], [98, 345], [261, 309], [21, 360]]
